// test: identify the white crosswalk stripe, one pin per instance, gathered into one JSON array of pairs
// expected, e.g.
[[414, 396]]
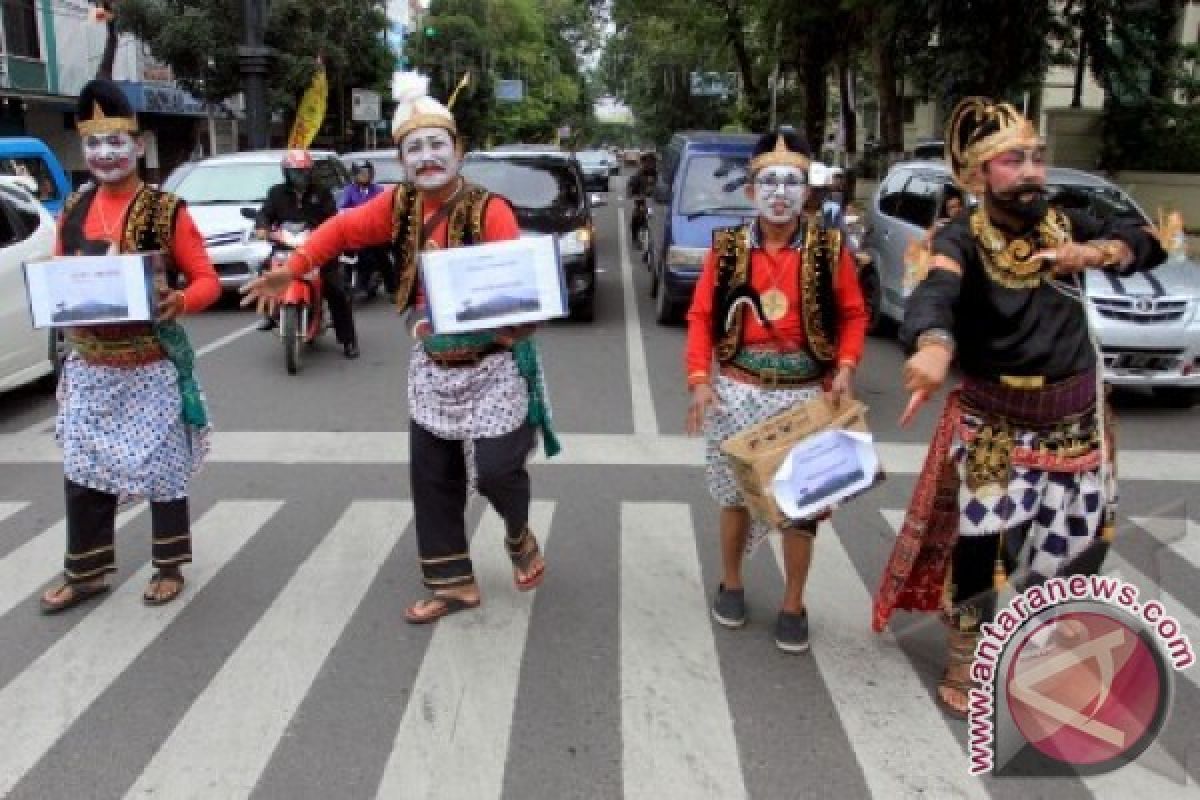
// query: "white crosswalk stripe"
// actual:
[[453, 738], [46, 699], [676, 728], [221, 746], [672, 713]]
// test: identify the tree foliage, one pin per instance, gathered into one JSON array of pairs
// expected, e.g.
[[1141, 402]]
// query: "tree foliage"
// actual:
[[199, 40]]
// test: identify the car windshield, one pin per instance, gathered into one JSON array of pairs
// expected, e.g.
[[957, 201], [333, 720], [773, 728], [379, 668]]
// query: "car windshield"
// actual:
[[528, 183], [228, 183], [1105, 202], [715, 184]]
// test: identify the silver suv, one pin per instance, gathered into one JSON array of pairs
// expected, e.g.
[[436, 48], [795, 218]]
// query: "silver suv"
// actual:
[[224, 194], [1147, 324]]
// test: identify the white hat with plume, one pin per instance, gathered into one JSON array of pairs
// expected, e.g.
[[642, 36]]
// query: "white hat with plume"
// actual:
[[415, 108]]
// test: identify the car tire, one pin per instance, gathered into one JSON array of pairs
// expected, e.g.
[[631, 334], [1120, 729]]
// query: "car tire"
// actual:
[[585, 311], [665, 312], [1177, 396]]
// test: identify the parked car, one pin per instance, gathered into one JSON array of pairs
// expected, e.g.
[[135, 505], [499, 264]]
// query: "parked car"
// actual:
[[596, 169], [929, 150], [23, 156], [701, 187], [1147, 325], [27, 233], [389, 169], [224, 192], [547, 193]]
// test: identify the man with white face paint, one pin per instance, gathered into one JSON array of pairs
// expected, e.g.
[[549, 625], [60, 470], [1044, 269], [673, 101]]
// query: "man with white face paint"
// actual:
[[779, 305], [473, 396], [131, 419]]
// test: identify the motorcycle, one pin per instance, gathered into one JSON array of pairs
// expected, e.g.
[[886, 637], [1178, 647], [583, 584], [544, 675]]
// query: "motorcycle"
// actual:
[[360, 275], [640, 225], [301, 308]]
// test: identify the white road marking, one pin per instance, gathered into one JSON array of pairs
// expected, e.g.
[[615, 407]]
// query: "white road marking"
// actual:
[[875, 689], [42, 703], [228, 338], [8, 509], [1183, 539], [579, 449], [225, 740], [645, 420], [27, 568], [453, 738], [677, 733]]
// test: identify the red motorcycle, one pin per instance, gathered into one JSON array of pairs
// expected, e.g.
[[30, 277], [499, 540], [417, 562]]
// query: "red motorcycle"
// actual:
[[301, 308]]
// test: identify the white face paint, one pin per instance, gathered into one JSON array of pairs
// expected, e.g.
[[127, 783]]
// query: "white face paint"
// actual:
[[779, 193], [112, 157], [430, 158]]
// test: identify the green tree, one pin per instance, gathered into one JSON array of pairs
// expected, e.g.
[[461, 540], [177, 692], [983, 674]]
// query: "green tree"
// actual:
[[199, 40]]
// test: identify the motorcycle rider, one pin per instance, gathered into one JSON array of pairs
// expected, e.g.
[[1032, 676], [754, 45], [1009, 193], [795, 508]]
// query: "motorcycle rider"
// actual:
[[639, 188], [300, 199], [370, 259]]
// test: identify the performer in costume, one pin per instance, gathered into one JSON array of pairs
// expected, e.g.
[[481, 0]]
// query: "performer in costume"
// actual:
[[478, 396], [131, 421], [1017, 482], [778, 303]]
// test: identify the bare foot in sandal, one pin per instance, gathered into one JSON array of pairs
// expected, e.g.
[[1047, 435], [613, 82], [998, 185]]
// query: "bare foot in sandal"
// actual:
[[442, 604], [164, 586], [954, 687], [68, 595], [529, 568]]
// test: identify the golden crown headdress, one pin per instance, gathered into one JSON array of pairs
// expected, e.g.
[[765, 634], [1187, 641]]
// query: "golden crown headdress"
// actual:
[[980, 129]]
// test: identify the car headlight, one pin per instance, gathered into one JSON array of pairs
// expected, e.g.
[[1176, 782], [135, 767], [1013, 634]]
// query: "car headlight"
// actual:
[[691, 257], [576, 242]]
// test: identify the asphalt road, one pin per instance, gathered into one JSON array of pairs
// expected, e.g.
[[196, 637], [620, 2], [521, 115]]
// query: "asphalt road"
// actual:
[[286, 671]]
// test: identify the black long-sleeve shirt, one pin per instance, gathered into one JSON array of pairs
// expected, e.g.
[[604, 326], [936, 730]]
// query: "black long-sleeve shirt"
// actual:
[[1001, 331], [283, 204]]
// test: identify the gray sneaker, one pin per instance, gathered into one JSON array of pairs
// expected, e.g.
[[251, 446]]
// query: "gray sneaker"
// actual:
[[729, 607], [791, 632]]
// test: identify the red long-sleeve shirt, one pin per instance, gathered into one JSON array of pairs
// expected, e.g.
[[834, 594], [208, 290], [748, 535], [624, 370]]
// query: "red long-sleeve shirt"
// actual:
[[768, 270], [105, 222], [370, 225]]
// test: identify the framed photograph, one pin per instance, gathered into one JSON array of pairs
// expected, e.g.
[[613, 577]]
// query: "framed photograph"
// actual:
[[91, 290], [494, 285]]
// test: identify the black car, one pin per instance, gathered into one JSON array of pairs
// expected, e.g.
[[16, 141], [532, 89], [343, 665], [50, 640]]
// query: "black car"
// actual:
[[547, 192]]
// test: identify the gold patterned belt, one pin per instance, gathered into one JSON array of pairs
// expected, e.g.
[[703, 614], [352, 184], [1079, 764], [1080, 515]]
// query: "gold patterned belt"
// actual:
[[130, 351]]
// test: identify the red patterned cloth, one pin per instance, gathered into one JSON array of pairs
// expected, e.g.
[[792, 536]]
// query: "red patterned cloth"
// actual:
[[915, 576]]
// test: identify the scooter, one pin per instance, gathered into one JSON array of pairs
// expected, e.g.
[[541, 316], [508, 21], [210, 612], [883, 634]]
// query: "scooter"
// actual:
[[360, 275], [301, 309]]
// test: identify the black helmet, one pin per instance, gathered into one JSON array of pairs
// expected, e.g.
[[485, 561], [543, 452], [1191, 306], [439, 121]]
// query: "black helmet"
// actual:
[[360, 164]]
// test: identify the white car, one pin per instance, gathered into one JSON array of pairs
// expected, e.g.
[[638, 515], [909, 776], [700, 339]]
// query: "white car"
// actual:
[[27, 233], [224, 194]]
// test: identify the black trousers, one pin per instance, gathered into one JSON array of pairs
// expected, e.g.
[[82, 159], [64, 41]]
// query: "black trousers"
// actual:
[[340, 308], [973, 569], [91, 529], [376, 259], [438, 473]]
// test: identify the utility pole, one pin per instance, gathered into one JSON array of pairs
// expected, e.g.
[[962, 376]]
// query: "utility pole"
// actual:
[[254, 59]]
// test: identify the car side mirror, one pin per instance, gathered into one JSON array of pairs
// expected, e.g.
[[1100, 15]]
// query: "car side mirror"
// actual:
[[250, 213], [599, 201]]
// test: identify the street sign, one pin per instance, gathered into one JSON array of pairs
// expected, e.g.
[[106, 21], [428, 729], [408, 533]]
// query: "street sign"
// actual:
[[713, 84], [510, 91], [364, 105]]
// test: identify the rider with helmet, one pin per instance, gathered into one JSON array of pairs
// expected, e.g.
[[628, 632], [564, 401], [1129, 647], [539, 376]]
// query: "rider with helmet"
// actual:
[[370, 259], [300, 199], [639, 188]]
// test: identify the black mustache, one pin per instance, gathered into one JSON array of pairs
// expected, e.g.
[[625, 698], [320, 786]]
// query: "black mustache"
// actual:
[[1035, 189]]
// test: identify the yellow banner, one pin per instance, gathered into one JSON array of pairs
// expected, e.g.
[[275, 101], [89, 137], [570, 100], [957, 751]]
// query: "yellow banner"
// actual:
[[311, 112]]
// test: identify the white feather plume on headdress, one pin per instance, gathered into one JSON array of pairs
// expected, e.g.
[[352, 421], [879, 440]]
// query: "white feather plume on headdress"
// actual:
[[414, 107]]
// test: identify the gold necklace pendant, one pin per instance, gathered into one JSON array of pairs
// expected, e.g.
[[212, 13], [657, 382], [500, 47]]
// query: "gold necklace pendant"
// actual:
[[774, 304], [1012, 262]]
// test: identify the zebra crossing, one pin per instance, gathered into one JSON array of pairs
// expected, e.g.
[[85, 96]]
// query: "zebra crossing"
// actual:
[[453, 729]]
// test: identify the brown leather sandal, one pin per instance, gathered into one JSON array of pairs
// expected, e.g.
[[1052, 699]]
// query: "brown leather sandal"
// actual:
[[68, 595], [956, 679], [173, 579], [529, 563]]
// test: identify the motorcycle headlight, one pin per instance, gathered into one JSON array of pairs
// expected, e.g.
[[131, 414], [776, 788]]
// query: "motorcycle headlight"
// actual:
[[576, 242], [688, 257]]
